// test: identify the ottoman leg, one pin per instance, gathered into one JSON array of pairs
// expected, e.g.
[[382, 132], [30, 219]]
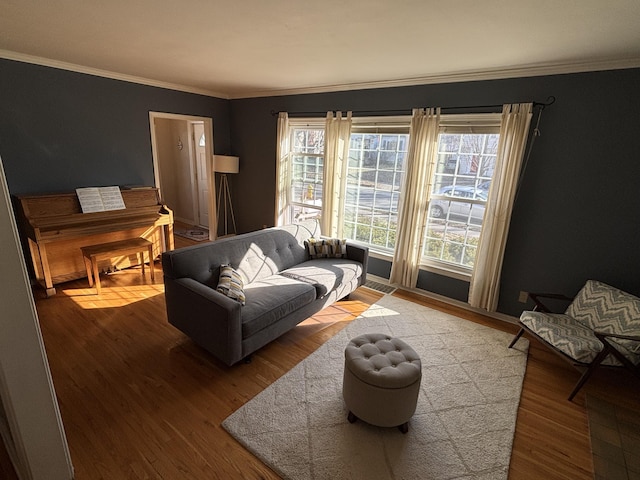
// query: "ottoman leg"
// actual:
[[351, 417], [404, 428]]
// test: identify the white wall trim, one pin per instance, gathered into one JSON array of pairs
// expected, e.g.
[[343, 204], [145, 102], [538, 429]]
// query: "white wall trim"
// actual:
[[36, 435], [453, 77], [470, 76], [72, 67]]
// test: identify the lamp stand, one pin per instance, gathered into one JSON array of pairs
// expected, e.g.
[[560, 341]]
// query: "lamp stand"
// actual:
[[224, 193]]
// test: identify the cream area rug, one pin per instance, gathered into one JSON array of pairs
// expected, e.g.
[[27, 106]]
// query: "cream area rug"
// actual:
[[462, 429]]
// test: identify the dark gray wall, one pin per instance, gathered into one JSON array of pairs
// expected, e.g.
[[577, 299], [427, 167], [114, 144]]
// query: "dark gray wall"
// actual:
[[576, 215], [60, 130], [578, 211]]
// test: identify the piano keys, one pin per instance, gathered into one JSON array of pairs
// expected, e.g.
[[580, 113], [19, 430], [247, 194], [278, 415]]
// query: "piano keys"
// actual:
[[55, 229]]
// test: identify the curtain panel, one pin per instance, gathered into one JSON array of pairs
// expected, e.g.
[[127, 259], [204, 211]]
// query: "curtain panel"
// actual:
[[412, 215], [336, 152], [485, 281], [282, 170]]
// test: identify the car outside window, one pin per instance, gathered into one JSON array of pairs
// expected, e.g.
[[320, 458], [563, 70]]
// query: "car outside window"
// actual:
[[461, 178]]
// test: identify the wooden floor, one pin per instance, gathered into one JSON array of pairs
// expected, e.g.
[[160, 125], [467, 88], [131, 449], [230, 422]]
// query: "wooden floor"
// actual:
[[140, 400]]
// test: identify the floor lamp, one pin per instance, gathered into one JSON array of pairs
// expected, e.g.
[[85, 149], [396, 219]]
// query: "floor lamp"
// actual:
[[224, 164]]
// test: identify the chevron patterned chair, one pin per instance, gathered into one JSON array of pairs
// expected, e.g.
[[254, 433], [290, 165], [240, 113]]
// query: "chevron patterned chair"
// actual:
[[601, 326]]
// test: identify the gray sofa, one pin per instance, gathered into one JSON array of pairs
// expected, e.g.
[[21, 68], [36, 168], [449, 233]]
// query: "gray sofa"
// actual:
[[282, 286]]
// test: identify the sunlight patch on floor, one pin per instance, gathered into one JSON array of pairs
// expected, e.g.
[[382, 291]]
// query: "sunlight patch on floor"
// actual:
[[111, 297], [342, 311]]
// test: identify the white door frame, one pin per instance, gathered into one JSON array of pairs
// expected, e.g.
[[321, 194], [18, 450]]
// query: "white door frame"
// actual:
[[30, 422], [208, 137], [199, 179]]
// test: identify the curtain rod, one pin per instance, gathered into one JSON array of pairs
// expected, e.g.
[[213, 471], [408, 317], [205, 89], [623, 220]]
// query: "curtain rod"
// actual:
[[550, 101]]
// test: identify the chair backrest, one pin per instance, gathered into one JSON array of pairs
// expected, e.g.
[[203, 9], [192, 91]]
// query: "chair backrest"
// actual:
[[606, 309]]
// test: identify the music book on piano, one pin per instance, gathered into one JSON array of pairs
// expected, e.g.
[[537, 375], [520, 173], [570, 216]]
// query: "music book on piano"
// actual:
[[100, 199]]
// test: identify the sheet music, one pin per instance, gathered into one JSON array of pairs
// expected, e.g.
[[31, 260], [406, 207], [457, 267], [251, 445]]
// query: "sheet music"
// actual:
[[100, 199], [111, 198]]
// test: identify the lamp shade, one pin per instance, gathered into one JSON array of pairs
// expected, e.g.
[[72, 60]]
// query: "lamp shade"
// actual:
[[226, 164]]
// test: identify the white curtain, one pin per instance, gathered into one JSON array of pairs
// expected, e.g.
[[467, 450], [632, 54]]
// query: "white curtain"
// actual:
[[485, 281], [336, 152], [282, 171], [412, 217]]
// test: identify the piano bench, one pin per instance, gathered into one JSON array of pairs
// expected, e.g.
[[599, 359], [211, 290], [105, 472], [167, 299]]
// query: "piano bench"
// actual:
[[94, 253]]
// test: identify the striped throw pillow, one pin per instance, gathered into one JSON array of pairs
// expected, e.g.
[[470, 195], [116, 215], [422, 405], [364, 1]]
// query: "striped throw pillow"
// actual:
[[230, 284], [327, 247]]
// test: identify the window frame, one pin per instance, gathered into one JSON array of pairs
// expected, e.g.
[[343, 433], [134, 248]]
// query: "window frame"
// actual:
[[449, 123], [391, 125], [472, 123], [301, 124]]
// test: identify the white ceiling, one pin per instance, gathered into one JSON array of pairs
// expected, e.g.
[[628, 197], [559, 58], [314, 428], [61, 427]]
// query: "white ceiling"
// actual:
[[245, 48]]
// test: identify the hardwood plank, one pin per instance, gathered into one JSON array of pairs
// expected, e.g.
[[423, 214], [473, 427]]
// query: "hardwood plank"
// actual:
[[140, 400]]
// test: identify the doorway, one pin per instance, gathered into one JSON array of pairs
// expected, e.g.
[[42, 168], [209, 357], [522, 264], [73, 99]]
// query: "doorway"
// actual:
[[182, 149], [199, 145]]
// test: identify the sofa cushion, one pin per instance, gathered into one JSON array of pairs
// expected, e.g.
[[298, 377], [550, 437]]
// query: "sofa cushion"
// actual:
[[255, 255], [325, 274], [566, 334], [606, 309], [272, 298]]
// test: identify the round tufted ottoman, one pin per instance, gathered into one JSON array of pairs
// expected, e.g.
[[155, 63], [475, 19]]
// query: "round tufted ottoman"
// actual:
[[381, 380]]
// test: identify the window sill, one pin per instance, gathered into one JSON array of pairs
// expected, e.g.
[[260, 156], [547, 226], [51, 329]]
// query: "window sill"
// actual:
[[380, 255], [448, 271], [440, 269]]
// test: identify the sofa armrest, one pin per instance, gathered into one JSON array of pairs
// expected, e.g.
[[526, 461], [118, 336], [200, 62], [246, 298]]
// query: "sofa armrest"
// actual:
[[209, 318], [360, 254]]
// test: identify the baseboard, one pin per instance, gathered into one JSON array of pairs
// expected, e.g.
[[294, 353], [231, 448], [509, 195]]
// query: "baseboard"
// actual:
[[384, 286]]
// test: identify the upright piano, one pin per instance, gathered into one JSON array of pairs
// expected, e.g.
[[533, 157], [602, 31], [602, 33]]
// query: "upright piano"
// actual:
[[55, 229]]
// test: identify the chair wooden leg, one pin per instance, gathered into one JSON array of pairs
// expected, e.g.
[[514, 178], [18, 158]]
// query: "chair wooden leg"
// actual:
[[592, 366], [515, 339]]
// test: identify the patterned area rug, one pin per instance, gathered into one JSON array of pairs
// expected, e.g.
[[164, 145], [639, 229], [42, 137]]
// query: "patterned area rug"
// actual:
[[462, 429], [197, 234]]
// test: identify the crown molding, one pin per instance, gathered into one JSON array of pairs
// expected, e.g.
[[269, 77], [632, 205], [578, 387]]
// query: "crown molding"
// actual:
[[468, 76], [47, 62]]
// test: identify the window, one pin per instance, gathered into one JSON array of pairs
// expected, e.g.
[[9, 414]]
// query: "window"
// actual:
[[375, 172], [461, 180], [374, 175], [306, 159]]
